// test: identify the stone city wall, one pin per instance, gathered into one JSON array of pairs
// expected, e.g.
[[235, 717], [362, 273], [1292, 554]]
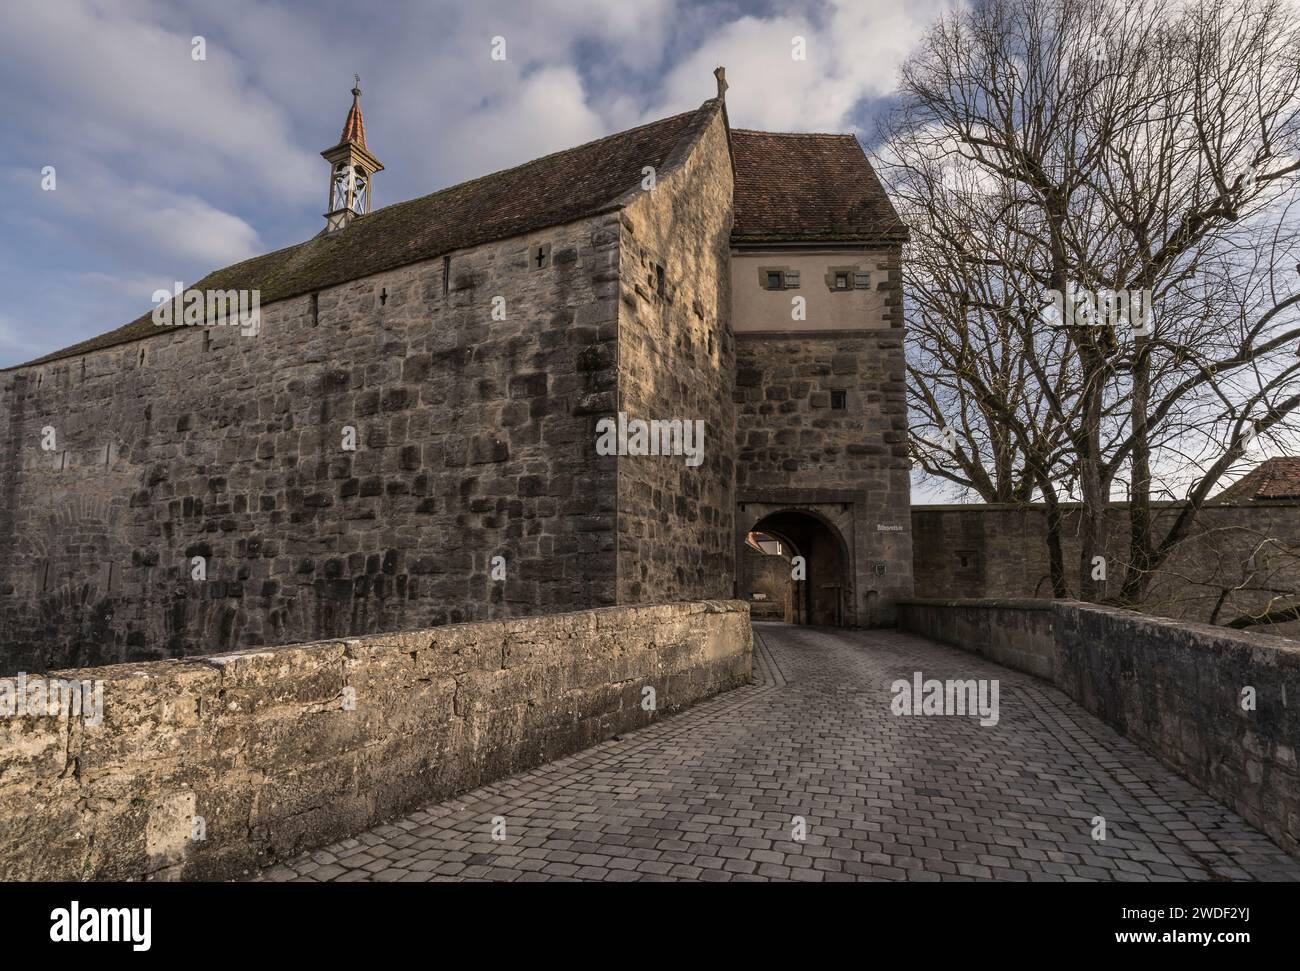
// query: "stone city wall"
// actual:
[[474, 439], [676, 360], [267, 753], [1241, 557]]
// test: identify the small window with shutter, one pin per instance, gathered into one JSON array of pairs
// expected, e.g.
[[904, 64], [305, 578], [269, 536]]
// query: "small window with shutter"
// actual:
[[842, 278], [775, 280]]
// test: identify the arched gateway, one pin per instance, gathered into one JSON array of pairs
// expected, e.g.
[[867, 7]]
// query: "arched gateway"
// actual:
[[821, 593]]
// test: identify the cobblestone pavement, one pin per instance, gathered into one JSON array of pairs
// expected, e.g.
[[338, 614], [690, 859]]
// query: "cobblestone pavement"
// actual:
[[711, 794]]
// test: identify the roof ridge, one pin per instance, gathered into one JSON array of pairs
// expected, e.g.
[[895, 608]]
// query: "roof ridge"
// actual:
[[525, 164], [680, 151], [795, 134]]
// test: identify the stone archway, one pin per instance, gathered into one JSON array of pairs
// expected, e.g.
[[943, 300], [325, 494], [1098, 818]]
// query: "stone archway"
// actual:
[[824, 596]]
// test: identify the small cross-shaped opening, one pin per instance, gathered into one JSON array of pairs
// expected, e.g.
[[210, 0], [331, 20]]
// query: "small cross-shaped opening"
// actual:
[[541, 256], [383, 296]]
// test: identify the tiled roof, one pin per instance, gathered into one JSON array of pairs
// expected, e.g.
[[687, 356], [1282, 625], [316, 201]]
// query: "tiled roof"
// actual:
[[354, 127], [793, 187], [788, 187], [548, 191], [1272, 479]]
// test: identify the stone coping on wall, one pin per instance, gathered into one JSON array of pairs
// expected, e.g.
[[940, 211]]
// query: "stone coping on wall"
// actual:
[[1000, 603], [205, 767]]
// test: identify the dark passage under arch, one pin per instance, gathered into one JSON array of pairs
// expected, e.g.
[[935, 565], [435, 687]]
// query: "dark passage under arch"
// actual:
[[819, 598]]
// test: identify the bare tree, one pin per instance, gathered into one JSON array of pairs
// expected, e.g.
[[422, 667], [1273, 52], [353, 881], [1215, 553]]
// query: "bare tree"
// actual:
[[1134, 165]]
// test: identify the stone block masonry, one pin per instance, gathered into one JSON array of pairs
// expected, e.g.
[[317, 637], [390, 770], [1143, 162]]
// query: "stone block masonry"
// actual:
[[1218, 706], [267, 753], [677, 361], [848, 465], [474, 438], [1241, 558]]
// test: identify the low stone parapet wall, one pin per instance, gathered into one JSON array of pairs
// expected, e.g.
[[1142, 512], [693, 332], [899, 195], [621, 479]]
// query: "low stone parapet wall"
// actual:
[[1219, 706], [209, 766], [1015, 633]]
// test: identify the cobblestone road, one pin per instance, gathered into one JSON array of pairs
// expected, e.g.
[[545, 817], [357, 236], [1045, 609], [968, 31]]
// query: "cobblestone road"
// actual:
[[711, 794]]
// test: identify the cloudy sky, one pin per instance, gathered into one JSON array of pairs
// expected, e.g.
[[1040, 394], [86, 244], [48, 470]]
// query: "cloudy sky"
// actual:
[[167, 167]]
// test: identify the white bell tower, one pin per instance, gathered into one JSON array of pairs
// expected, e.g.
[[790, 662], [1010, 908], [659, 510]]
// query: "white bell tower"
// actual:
[[352, 169]]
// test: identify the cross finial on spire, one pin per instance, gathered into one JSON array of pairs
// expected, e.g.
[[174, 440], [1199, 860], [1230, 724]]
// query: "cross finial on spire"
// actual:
[[354, 129]]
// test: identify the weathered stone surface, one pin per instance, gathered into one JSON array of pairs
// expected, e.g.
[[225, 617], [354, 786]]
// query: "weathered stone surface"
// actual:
[[283, 749], [1235, 561], [677, 361], [231, 448], [795, 451], [711, 794]]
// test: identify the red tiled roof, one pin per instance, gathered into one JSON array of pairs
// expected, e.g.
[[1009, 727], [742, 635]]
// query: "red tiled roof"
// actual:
[[800, 187], [354, 128], [1277, 478]]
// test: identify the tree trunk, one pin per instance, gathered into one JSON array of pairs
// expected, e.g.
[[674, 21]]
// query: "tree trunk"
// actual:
[[1137, 576], [1055, 556]]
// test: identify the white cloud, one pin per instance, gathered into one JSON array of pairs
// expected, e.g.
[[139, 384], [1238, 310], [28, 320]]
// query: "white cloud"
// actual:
[[13, 343], [545, 112], [851, 54], [97, 206], [102, 83]]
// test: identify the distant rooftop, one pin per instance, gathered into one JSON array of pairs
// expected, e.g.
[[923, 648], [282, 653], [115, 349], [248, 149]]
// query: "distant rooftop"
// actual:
[[1277, 478]]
